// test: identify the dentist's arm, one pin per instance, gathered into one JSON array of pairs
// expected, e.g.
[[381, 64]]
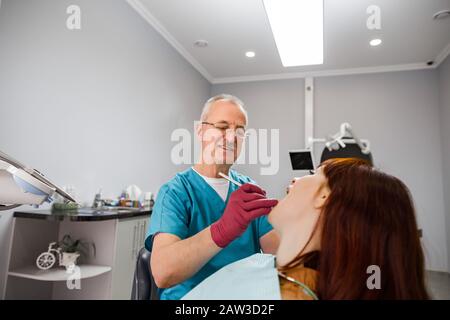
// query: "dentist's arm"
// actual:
[[175, 260]]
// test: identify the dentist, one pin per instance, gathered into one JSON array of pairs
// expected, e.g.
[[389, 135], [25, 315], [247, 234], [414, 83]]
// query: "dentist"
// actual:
[[201, 222]]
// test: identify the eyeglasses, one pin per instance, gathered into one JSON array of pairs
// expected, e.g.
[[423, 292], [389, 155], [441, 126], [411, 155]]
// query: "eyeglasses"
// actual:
[[224, 126]]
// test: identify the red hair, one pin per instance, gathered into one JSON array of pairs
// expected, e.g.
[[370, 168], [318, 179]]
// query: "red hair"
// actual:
[[368, 219]]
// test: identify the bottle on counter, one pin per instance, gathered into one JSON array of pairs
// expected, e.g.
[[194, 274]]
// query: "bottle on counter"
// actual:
[[148, 201]]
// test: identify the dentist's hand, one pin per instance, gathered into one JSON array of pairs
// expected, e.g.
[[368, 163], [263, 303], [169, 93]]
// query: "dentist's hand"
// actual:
[[246, 204]]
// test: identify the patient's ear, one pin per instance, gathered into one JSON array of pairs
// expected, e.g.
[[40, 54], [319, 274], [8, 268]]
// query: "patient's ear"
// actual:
[[321, 197]]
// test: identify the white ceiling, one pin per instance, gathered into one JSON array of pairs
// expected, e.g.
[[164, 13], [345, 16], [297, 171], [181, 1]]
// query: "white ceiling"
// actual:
[[410, 37]]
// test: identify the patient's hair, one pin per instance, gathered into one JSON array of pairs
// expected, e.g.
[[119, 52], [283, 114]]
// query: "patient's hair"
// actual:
[[368, 219]]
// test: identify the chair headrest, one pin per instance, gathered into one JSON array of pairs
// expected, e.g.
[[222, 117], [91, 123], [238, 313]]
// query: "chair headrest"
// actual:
[[351, 150]]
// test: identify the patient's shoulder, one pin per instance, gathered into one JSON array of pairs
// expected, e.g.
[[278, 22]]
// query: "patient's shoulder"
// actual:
[[292, 291]]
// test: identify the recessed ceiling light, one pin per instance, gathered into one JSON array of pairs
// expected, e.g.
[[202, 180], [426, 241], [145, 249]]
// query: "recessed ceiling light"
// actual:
[[297, 27], [250, 54], [375, 42], [441, 14], [201, 43]]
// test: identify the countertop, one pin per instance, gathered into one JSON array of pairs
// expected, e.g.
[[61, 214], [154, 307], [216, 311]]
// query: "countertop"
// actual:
[[83, 214]]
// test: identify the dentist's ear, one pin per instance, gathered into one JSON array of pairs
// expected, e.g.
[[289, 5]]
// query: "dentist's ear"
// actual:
[[199, 130]]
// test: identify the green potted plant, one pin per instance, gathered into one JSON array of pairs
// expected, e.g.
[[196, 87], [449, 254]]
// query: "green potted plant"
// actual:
[[72, 249]]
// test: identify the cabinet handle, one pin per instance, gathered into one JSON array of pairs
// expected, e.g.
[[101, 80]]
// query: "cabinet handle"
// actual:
[[142, 240], [133, 251], [139, 238]]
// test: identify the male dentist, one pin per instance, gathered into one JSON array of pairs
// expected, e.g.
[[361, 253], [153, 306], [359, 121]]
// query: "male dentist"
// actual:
[[200, 221]]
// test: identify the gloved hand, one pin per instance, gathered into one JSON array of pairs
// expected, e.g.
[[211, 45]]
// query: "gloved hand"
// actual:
[[246, 204]]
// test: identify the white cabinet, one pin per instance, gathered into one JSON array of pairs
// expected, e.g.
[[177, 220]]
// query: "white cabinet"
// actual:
[[107, 275], [130, 237]]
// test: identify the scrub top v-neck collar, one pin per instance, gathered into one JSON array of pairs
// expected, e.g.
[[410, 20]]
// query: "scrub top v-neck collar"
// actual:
[[202, 184]]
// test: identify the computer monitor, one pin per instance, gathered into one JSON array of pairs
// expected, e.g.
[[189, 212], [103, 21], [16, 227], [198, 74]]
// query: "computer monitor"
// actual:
[[302, 160]]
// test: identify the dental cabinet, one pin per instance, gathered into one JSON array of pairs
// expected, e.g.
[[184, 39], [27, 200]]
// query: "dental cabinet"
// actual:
[[117, 234]]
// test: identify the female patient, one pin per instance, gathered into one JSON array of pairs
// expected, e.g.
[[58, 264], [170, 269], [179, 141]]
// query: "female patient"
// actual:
[[347, 232]]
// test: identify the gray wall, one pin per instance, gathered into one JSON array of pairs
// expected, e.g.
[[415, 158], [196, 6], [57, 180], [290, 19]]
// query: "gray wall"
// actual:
[[398, 112], [94, 107], [444, 81], [272, 105]]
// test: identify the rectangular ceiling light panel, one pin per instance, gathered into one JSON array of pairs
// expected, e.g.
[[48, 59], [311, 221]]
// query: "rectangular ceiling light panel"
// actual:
[[297, 27]]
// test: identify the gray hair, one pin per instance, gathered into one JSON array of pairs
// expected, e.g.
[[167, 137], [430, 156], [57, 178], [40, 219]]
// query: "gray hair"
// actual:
[[223, 97]]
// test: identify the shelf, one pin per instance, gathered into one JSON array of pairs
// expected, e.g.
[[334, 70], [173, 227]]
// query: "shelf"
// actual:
[[58, 273]]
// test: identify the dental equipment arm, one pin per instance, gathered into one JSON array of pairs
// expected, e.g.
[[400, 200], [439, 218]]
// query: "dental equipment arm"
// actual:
[[340, 138], [20, 185]]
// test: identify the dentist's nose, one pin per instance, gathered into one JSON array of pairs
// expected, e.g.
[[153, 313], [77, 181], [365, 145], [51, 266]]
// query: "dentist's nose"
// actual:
[[230, 136]]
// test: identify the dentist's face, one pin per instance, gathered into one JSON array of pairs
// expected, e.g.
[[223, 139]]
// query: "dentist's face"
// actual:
[[303, 204], [222, 136]]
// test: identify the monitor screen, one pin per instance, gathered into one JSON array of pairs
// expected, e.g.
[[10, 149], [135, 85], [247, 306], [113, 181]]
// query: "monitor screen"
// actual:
[[302, 160]]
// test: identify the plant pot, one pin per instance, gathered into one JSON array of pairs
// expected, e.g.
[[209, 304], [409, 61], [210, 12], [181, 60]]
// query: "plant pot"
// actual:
[[69, 258]]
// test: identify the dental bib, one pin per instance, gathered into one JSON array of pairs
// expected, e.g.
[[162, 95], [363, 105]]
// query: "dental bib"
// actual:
[[252, 278]]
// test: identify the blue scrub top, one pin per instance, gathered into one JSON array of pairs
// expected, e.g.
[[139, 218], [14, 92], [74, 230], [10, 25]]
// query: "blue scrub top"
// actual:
[[186, 205]]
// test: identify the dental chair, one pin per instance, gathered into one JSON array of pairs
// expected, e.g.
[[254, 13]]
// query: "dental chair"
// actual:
[[144, 286], [351, 150]]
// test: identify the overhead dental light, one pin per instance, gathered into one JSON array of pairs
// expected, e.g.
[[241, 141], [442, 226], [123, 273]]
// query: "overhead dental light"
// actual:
[[346, 135], [343, 144], [20, 185], [297, 26]]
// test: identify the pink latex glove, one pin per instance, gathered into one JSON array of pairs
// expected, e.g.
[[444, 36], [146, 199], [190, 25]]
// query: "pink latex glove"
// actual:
[[246, 204]]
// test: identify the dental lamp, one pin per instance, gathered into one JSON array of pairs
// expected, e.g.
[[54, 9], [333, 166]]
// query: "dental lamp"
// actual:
[[339, 139], [21, 185], [344, 144]]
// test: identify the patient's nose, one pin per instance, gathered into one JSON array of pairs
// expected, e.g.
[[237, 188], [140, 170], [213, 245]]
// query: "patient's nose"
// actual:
[[291, 184]]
